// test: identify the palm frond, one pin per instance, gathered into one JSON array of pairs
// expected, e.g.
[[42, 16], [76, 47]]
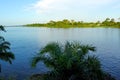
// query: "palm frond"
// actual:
[[47, 60], [35, 60], [6, 43], [86, 48], [53, 48], [2, 38], [93, 62], [2, 28], [7, 56], [4, 46]]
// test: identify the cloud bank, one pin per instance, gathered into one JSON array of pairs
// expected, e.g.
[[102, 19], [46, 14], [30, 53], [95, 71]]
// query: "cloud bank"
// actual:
[[86, 10]]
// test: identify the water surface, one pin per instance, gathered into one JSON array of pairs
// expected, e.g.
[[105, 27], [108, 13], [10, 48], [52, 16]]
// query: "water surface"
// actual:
[[26, 42]]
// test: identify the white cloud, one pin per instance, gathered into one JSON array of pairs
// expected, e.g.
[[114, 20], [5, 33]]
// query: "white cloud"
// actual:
[[43, 6], [88, 10]]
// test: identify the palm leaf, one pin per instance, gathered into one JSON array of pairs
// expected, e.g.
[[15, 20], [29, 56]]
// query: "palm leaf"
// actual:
[[53, 48], [8, 56], [2, 28], [35, 60], [47, 60], [2, 38]]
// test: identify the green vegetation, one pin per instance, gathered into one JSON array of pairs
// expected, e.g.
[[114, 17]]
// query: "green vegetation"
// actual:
[[70, 62], [71, 23], [5, 53]]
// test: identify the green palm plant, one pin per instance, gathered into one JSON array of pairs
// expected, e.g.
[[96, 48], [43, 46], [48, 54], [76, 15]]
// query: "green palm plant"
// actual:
[[70, 62], [5, 53]]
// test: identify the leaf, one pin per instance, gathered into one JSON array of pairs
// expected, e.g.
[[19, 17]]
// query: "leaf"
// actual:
[[2, 28]]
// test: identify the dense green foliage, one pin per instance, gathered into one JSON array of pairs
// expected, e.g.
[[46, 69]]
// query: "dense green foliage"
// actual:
[[5, 53], [71, 23], [70, 62]]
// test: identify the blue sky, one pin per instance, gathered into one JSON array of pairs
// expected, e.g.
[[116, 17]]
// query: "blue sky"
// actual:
[[16, 12]]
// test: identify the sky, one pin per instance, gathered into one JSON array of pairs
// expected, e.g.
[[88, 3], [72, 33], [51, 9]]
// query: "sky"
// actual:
[[19, 12]]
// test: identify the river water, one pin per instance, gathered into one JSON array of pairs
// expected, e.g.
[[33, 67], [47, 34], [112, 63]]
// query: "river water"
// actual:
[[27, 41]]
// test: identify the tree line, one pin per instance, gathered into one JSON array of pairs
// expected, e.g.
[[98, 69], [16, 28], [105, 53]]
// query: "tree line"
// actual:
[[72, 23]]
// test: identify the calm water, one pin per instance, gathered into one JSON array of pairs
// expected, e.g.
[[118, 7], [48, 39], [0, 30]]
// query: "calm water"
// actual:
[[26, 42]]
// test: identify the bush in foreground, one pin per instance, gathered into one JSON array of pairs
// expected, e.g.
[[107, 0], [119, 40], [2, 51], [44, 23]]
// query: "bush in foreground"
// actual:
[[70, 62]]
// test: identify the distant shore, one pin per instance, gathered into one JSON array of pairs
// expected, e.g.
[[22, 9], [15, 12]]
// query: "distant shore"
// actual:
[[77, 24]]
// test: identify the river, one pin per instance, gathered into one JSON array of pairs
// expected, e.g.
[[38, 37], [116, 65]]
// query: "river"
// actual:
[[27, 41]]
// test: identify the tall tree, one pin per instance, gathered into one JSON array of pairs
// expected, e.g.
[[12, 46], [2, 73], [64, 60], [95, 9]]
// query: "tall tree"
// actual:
[[66, 21], [107, 19], [5, 53]]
